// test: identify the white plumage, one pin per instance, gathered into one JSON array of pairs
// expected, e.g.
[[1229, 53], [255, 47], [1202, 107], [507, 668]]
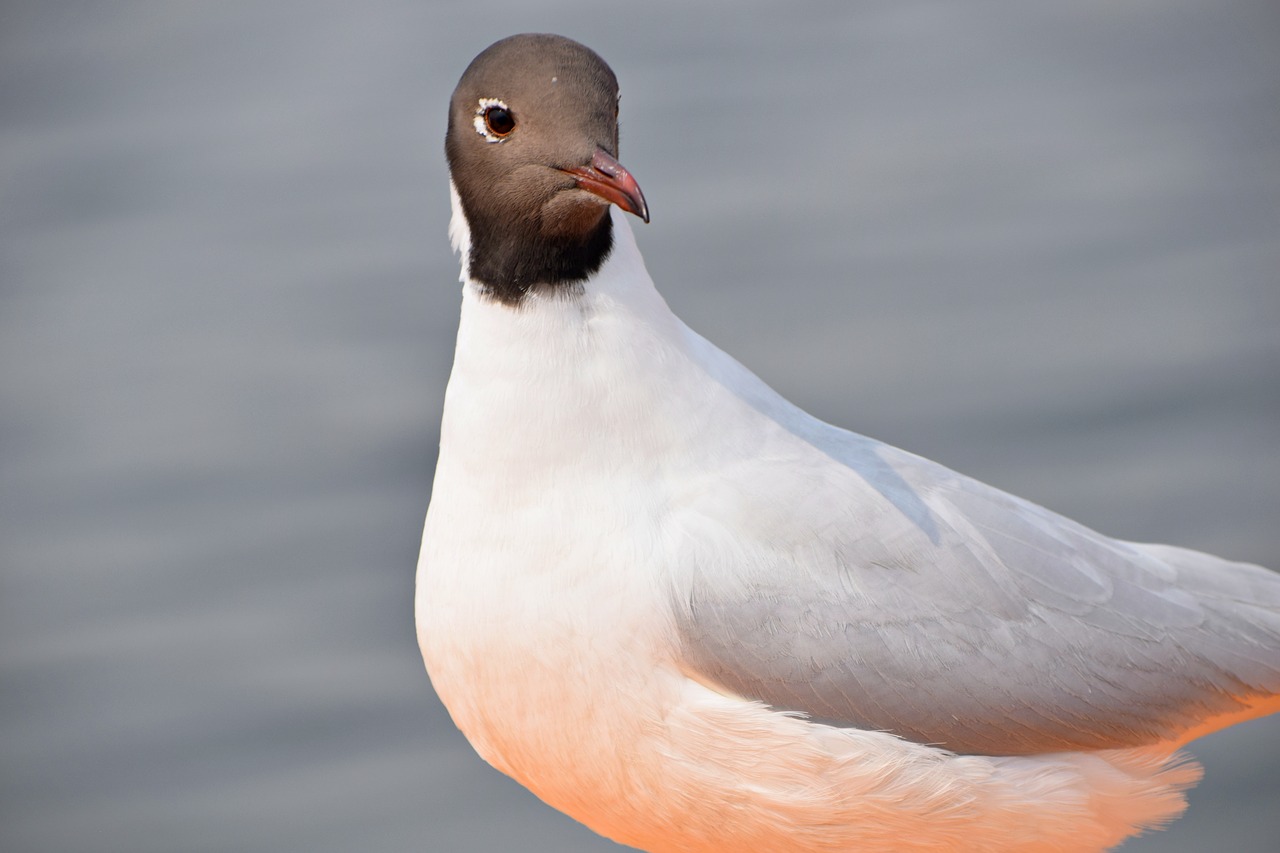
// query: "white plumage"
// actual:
[[699, 620], [579, 433]]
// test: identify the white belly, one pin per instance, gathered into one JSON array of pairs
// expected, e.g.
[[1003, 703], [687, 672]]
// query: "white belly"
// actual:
[[546, 662], [560, 678]]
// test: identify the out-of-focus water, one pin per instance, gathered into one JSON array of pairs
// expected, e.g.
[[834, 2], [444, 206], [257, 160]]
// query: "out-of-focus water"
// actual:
[[1036, 244]]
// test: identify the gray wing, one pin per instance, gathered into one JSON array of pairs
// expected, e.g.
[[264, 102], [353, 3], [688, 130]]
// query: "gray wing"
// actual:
[[865, 586]]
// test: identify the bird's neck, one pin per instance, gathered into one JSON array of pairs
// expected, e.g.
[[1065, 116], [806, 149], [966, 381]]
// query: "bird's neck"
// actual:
[[620, 280], [563, 368], [509, 259], [604, 382]]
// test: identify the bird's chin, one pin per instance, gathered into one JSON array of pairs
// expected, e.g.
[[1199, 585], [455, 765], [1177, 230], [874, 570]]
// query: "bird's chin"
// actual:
[[573, 214]]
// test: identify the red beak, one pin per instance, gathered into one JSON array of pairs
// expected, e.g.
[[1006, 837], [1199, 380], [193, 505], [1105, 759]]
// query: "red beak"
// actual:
[[607, 178]]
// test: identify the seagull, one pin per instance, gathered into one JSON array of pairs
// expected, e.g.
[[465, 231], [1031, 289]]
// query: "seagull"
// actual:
[[699, 620]]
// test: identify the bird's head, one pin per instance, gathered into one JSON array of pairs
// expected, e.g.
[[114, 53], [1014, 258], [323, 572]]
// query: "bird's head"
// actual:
[[532, 147]]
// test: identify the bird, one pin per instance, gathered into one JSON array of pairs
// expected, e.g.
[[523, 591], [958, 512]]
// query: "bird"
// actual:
[[697, 619]]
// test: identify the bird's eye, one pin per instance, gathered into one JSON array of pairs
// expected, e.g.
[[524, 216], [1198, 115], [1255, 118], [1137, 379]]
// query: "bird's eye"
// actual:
[[499, 121], [494, 120]]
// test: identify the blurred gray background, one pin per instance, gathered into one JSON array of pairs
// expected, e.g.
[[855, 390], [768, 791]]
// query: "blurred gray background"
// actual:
[[1038, 244]]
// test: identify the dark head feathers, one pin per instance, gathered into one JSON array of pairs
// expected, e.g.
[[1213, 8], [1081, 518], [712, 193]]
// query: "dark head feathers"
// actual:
[[532, 146]]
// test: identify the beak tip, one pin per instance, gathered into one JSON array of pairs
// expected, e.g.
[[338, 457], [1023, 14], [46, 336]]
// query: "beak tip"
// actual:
[[635, 202]]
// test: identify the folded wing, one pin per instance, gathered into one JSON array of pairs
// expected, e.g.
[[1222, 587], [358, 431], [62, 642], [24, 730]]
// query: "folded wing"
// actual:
[[864, 586]]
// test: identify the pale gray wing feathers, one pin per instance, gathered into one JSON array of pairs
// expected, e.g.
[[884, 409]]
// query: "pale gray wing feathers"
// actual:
[[950, 613]]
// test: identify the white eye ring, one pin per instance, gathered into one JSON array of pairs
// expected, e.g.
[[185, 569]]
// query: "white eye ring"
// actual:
[[487, 104]]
